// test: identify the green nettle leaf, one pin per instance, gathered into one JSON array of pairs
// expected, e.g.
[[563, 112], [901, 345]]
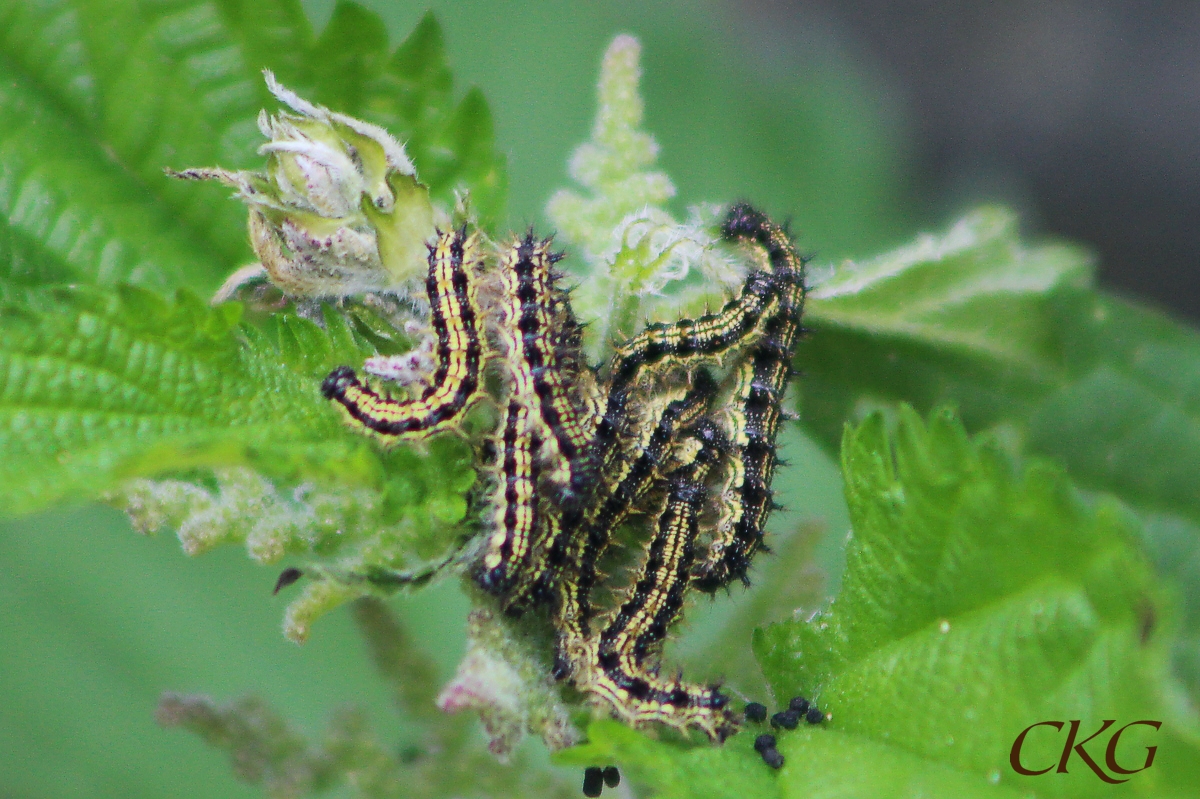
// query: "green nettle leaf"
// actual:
[[976, 602], [1014, 338], [109, 386], [1127, 421], [964, 317], [97, 98], [99, 389]]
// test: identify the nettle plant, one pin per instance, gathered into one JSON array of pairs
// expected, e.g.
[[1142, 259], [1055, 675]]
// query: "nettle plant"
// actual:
[[1042, 566]]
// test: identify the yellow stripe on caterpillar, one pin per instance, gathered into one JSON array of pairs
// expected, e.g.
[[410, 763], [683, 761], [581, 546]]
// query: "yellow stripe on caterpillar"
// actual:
[[619, 665], [459, 354]]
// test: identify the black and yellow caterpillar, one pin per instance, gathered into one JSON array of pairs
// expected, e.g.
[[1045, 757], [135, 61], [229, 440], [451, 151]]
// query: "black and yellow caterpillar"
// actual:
[[679, 427]]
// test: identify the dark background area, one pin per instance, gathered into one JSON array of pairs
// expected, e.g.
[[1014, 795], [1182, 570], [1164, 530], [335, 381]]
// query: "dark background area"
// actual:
[[1084, 114]]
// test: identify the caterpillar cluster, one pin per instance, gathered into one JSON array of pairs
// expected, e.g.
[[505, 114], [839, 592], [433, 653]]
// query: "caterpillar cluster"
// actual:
[[679, 428]]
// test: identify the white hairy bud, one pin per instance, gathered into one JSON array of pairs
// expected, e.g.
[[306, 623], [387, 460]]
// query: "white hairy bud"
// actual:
[[338, 209]]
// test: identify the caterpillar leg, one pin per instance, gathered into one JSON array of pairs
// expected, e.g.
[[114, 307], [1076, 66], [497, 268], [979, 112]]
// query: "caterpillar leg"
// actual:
[[459, 354]]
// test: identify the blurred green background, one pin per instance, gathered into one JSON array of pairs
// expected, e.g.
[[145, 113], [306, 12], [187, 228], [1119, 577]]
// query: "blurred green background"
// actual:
[[800, 124]]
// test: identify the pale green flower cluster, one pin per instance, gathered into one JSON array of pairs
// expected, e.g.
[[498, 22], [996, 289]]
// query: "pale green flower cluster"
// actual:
[[641, 263]]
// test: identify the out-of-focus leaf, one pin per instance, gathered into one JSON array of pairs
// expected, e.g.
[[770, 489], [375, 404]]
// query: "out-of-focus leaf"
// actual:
[[107, 94], [1127, 418], [98, 96], [965, 317], [1012, 337]]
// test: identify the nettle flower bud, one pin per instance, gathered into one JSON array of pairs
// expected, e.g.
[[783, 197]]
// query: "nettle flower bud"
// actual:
[[338, 210]]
